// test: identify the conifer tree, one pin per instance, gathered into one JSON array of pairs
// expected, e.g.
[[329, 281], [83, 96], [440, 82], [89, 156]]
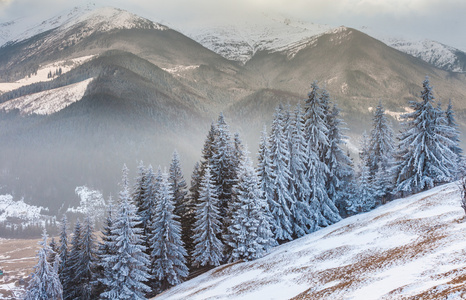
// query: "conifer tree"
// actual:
[[105, 248], [299, 185], [316, 134], [73, 262], [85, 268], [54, 250], [45, 282], [280, 201], [339, 164], [221, 165], [454, 134], [147, 209], [425, 150], [64, 268], [364, 199], [193, 200], [264, 168], [126, 268], [169, 265], [207, 246], [250, 229]]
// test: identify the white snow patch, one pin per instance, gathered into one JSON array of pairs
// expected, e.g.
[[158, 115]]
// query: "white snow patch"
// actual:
[[395, 114], [43, 72], [377, 255], [179, 70], [10, 208], [48, 102]]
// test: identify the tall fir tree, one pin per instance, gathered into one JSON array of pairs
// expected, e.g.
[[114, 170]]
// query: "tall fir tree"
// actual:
[[425, 149], [169, 255], [250, 229], [280, 200], [316, 134], [454, 136], [64, 269], [105, 248], [45, 282], [74, 261], [193, 200], [340, 165], [139, 187], [364, 199], [299, 185], [126, 267], [208, 249], [222, 168]]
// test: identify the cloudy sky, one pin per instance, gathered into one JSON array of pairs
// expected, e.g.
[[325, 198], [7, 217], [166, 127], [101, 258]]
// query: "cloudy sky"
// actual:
[[441, 20]]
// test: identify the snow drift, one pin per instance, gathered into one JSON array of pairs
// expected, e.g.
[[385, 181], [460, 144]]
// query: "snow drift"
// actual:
[[411, 247]]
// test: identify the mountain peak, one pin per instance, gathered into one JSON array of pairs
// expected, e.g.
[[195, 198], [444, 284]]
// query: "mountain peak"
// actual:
[[110, 18]]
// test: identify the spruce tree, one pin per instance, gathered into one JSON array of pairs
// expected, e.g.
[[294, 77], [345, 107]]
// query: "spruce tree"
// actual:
[[250, 230], [208, 248], [126, 268], [324, 211], [280, 200], [425, 149], [64, 269], [299, 185], [45, 282], [340, 165], [454, 135], [193, 200], [74, 261], [169, 255]]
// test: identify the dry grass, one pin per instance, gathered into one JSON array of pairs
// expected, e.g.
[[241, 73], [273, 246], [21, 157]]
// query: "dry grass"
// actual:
[[17, 259]]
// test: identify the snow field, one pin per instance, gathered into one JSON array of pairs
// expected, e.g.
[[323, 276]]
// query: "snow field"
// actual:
[[409, 247], [48, 102]]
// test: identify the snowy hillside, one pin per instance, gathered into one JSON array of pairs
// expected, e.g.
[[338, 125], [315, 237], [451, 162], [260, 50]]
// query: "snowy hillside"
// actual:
[[10, 208], [240, 40], [440, 55], [48, 102], [412, 247]]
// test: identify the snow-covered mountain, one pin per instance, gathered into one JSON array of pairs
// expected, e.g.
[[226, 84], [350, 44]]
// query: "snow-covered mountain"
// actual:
[[240, 40], [411, 248], [440, 55]]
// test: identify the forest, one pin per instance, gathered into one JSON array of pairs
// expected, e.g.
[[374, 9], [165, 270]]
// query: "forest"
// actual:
[[159, 232]]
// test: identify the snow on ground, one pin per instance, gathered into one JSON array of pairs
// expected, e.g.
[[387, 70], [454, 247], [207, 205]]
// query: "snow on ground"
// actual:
[[48, 102], [91, 203], [10, 208], [411, 247], [42, 73], [395, 114]]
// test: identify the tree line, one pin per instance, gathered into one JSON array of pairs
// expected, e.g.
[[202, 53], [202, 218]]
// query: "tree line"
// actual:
[[157, 233]]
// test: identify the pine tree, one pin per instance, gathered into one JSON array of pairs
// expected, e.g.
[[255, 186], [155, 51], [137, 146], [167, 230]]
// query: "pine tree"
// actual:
[[222, 168], [250, 230], [340, 165], [64, 269], [425, 150], [138, 192], [73, 262], [454, 134], [169, 265], [147, 208], [299, 185], [193, 200], [365, 199], [45, 283], [264, 168], [54, 250], [126, 268], [105, 248], [280, 200], [207, 246], [182, 203], [316, 134]]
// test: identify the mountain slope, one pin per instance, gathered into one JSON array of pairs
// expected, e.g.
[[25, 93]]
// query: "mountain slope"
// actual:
[[412, 247]]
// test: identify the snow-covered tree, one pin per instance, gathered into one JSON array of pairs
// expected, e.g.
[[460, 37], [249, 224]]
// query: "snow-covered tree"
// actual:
[[169, 255], [208, 249], [63, 252], [222, 168], [339, 164], [280, 200], [82, 261], [139, 186], [126, 268], [251, 234], [264, 168], [193, 200], [316, 134], [425, 149], [454, 134], [45, 282], [299, 185]]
